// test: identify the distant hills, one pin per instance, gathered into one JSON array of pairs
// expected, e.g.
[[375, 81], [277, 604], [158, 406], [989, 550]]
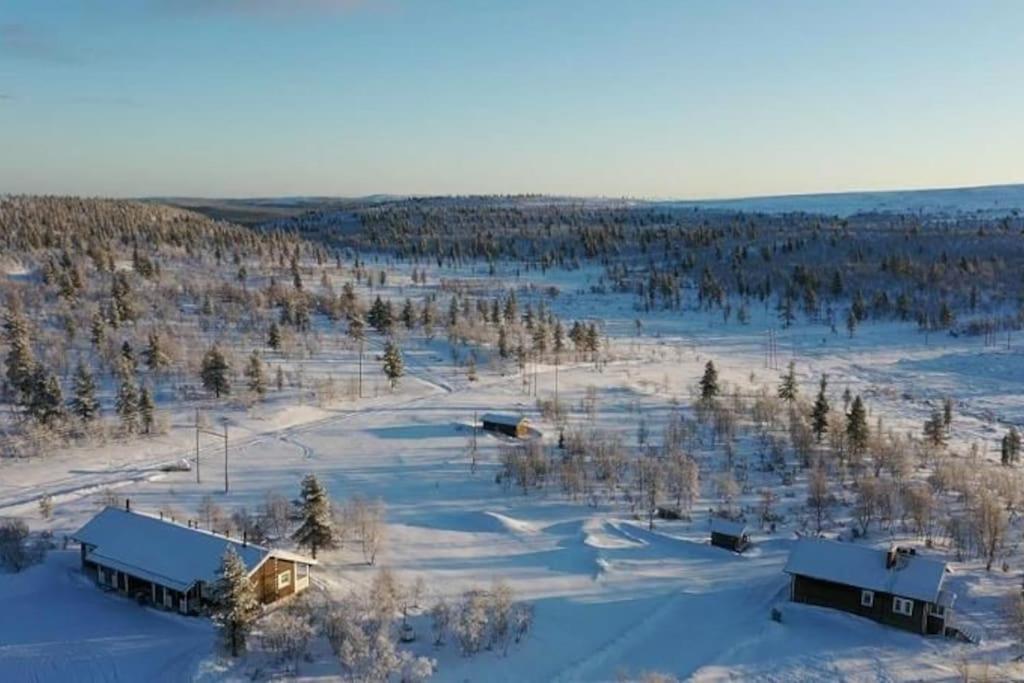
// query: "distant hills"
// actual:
[[991, 200], [994, 200]]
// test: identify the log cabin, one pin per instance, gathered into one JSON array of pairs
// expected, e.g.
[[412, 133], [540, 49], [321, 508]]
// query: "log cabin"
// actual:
[[175, 566], [897, 587]]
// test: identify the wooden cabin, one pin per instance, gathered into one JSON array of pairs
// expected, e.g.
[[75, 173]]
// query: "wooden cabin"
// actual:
[[729, 535], [174, 565], [509, 425], [897, 587]]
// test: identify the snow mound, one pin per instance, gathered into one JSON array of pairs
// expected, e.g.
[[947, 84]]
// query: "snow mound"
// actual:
[[608, 536], [511, 524]]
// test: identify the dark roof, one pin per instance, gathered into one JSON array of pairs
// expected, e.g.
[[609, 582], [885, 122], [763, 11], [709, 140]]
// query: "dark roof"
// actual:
[[503, 419]]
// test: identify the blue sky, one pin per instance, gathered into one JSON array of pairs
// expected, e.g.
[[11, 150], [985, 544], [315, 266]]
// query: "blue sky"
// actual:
[[588, 97]]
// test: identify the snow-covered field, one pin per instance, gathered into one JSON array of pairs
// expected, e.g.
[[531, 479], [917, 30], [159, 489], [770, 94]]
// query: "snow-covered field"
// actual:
[[611, 597]]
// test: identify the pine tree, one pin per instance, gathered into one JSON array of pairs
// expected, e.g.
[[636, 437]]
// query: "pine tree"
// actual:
[[934, 430], [254, 373], [408, 315], [709, 383], [84, 404], [147, 409], [214, 372], [1011, 447], [46, 401], [153, 355], [274, 337], [97, 330], [128, 356], [947, 414], [123, 309], [236, 606], [317, 529], [20, 361], [503, 350], [394, 366], [857, 427], [788, 387], [127, 404], [819, 414]]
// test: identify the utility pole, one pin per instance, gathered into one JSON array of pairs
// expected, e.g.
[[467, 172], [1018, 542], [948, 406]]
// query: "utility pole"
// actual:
[[225, 455], [224, 436], [197, 446]]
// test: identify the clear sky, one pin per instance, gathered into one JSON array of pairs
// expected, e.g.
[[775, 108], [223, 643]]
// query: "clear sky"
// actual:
[[640, 98]]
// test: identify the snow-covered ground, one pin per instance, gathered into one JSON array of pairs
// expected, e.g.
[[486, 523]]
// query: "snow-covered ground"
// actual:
[[611, 597]]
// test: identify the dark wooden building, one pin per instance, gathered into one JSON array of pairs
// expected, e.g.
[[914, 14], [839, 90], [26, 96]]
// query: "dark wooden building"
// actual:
[[897, 587], [728, 534], [509, 425], [175, 566]]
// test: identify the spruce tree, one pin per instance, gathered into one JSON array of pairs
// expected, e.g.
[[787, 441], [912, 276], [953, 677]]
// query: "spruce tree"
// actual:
[[257, 380], [147, 409], [819, 413], [214, 372], [274, 337], [934, 430], [709, 383], [84, 405], [408, 315], [394, 367], [128, 356], [127, 404], [20, 363], [235, 606], [46, 401], [857, 427], [153, 355], [97, 330], [317, 529], [788, 387]]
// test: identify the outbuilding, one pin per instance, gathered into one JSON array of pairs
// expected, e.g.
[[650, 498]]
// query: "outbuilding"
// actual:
[[897, 586], [509, 425], [174, 565], [728, 534]]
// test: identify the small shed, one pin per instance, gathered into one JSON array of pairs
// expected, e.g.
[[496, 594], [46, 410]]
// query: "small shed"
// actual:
[[509, 425], [730, 535]]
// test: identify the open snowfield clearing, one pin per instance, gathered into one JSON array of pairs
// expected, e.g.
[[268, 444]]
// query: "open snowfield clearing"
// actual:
[[610, 595]]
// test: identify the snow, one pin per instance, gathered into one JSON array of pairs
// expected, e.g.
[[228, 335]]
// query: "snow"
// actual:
[[610, 595], [913, 576]]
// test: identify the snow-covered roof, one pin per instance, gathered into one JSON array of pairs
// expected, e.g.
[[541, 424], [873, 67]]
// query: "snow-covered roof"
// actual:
[[502, 419], [727, 527], [913, 576], [162, 551]]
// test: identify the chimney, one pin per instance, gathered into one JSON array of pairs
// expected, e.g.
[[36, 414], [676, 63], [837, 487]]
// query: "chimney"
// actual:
[[127, 505], [161, 515], [245, 538], [890, 557]]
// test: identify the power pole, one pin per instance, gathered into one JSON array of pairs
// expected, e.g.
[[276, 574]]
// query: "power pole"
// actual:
[[225, 456], [197, 446]]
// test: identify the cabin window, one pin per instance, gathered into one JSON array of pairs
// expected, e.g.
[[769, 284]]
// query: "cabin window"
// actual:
[[937, 610], [867, 598], [284, 579], [903, 606]]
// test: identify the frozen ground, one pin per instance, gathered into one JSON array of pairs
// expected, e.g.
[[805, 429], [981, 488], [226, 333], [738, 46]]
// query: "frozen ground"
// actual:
[[610, 595]]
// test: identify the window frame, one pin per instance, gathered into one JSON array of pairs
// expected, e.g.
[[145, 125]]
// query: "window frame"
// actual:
[[867, 598], [903, 606], [284, 579]]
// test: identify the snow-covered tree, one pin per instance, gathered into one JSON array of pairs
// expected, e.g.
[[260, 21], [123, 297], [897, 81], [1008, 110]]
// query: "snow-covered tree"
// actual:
[[394, 366], [147, 409], [788, 387], [819, 413], [235, 605], [84, 404], [214, 372], [709, 383], [127, 405], [317, 529], [257, 380]]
